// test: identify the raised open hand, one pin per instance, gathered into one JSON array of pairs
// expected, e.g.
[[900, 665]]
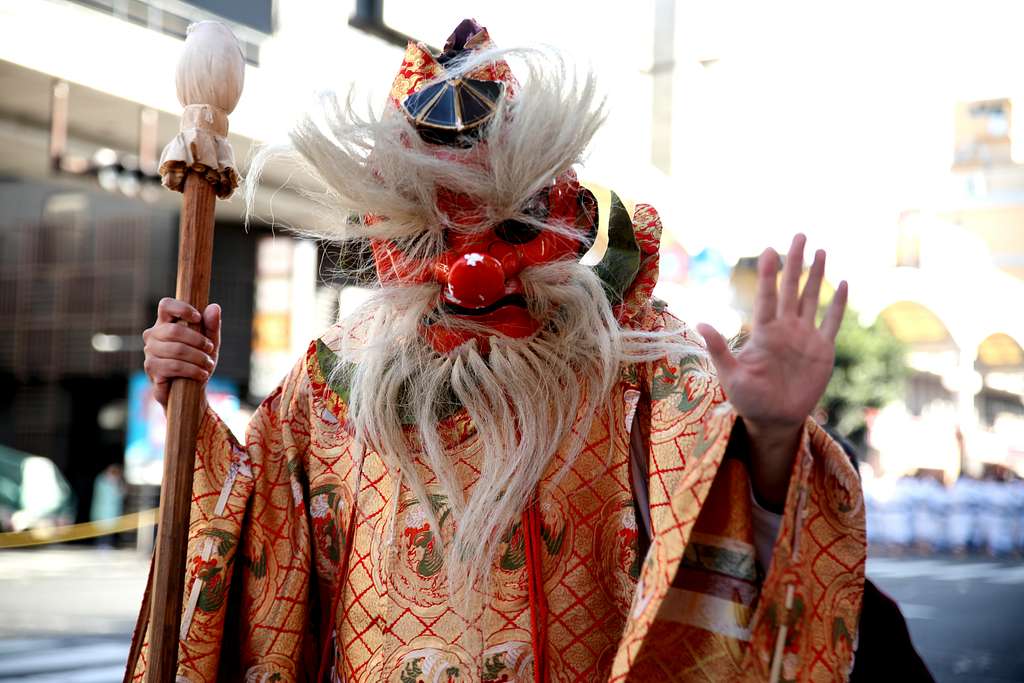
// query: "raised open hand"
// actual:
[[780, 374]]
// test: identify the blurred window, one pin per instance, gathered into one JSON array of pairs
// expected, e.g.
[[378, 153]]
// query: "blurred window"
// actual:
[[251, 20], [982, 133], [908, 248], [925, 389], [913, 323], [369, 16], [992, 404]]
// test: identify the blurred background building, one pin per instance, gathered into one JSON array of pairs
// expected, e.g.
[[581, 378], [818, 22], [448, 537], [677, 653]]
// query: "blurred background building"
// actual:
[[740, 125], [89, 237]]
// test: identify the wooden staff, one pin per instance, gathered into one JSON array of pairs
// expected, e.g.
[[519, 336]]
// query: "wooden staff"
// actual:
[[200, 164]]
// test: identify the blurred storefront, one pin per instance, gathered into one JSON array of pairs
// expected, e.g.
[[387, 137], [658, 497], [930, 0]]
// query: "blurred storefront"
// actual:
[[953, 296], [81, 274], [88, 238]]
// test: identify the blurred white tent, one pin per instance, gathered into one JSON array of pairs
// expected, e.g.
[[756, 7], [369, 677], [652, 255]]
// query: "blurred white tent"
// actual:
[[33, 492]]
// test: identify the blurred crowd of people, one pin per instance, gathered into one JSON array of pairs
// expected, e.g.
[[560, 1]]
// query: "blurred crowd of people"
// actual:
[[921, 514]]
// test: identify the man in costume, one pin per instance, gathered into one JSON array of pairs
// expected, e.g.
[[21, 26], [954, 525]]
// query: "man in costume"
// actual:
[[507, 465]]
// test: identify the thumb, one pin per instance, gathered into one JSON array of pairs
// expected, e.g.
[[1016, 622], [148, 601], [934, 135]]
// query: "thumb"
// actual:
[[718, 348], [211, 326]]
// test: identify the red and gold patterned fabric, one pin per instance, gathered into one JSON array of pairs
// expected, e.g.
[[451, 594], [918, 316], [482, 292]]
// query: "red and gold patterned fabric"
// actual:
[[309, 556]]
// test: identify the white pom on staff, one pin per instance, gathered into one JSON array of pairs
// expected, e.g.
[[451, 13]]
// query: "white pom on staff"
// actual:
[[209, 79], [211, 69]]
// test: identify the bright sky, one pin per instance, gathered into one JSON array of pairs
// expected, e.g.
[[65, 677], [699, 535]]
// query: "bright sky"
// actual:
[[818, 116], [831, 122]]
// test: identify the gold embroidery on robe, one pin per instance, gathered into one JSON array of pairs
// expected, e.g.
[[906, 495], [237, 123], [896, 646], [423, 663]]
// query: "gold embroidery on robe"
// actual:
[[266, 598]]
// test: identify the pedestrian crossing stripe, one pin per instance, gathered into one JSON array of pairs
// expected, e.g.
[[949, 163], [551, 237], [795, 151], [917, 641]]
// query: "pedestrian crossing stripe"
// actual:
[[53, 660], [945, 570]]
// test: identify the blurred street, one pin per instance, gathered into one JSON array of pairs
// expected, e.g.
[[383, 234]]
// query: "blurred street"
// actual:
[[964, 615], [68, 614]]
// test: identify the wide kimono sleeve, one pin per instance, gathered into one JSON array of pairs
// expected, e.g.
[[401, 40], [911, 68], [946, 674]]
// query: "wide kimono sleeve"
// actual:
[[247, 612], [704, 610]]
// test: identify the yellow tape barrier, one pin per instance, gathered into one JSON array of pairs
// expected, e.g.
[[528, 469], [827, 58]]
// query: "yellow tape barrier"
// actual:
[[77, 532]]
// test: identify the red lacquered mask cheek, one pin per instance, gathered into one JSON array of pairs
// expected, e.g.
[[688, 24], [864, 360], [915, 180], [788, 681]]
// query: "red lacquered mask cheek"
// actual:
[[393, 265], [548, 247]]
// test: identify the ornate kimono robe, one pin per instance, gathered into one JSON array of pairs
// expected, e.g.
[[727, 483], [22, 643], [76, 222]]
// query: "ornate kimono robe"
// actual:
[[310, 557]]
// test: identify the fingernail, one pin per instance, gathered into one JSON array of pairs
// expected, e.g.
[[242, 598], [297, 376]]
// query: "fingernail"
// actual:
[[209, 345]]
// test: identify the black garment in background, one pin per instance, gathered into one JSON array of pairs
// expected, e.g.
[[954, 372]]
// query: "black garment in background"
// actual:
[[885, 651]]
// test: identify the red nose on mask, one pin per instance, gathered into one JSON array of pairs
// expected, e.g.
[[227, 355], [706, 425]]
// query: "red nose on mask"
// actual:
[[475, 280]]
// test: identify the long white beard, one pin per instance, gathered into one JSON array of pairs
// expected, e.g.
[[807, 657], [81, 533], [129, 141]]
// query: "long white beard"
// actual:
[[528, 399]]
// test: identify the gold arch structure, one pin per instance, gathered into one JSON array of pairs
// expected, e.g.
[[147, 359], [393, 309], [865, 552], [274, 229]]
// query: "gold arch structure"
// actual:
[[1000, 350], [915, 324]]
